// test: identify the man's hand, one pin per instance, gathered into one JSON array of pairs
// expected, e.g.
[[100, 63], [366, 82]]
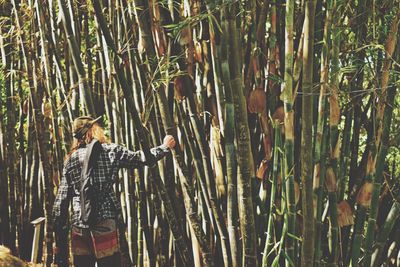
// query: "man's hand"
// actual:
[[169, 141]]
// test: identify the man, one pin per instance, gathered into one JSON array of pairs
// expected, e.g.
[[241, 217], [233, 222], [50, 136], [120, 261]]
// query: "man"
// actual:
[[95, 240]]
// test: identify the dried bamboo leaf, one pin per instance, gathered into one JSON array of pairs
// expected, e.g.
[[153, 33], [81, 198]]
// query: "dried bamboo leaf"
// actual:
[[330, 180], [345, 214], [365, 194], [257, 101]]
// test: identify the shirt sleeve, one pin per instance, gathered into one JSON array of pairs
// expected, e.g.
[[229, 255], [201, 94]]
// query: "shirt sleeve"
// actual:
[[61, 203], [132, 159]]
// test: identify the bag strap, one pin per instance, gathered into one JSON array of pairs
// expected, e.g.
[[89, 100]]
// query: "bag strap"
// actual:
[[93, 151]]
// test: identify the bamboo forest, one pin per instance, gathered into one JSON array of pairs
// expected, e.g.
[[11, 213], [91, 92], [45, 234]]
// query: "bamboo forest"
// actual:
[[285, 115]]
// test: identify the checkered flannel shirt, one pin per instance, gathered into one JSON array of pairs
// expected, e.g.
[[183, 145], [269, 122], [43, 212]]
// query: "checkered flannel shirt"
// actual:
[[112, 158]]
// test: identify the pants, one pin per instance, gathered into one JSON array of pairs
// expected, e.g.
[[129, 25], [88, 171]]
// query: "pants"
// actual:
[[89, 261], [97, 244]]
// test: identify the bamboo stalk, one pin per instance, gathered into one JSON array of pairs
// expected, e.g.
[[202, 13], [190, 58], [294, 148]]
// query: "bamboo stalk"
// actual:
[[306, 137], [244, 156], [319, 174], [358, 227], [269, 242], [231, 160], [334, 228], [287, 96]]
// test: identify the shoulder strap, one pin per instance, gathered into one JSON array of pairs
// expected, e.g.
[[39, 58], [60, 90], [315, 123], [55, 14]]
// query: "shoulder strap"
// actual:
[[93, 151]]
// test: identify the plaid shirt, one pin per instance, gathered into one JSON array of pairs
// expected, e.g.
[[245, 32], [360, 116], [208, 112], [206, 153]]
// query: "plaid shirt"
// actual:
[[112, 158]]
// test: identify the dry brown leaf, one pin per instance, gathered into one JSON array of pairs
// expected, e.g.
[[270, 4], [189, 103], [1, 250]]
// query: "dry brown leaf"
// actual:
[[330, 180], [186, 36], [316, 176], [262, 169], [365, 194], [257, 101], [46, 109], [345, 214], [179, 90], [279, 115]]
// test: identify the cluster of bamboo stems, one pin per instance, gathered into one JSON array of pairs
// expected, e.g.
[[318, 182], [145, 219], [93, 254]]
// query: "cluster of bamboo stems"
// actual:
[[284, 114]]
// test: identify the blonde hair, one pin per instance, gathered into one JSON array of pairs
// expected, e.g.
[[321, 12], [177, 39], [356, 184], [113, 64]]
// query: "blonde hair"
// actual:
[[94, 132]]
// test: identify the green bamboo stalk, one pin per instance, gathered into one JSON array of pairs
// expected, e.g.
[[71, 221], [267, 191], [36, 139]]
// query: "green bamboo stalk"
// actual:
[[287, 96], [137, 77], [272, 46], [322, 135], [231, 161], [344, 156], [21, 190], [320, 193], [336, 12], [168, 178], [284, 233], [306, 137], [334, 118], [147, 231], [358, 227], [269, 242], [298, 62], [334, 228], [129, 186], [215, 45], [140, 252]]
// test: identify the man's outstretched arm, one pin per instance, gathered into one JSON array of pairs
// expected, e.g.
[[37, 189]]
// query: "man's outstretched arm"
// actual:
[[132, 159]]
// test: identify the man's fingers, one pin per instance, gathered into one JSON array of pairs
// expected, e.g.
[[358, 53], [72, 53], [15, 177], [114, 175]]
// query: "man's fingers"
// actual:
[[169, 141]]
